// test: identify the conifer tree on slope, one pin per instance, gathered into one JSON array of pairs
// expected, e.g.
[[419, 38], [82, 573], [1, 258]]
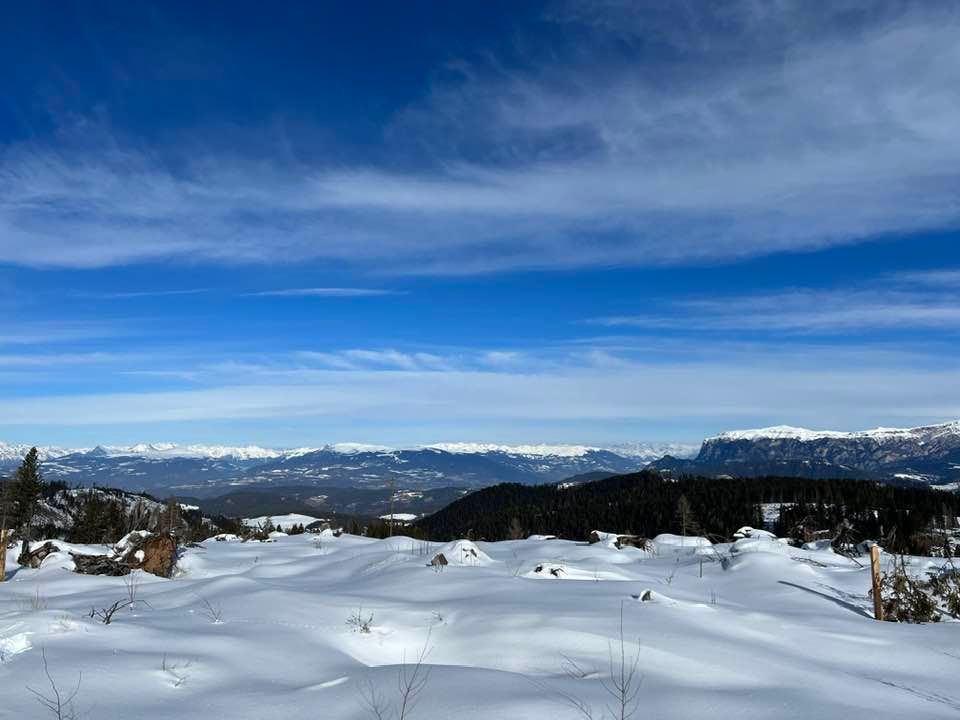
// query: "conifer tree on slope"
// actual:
[[685, 518], [27, 489]]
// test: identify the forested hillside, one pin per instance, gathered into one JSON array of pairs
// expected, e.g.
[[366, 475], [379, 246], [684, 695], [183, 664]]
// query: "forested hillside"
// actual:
[[647, 504]]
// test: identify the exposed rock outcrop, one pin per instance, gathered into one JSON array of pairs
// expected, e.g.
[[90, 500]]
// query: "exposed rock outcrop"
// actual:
[[155, 553]]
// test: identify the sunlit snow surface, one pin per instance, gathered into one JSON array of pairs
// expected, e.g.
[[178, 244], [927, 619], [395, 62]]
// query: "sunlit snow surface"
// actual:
[[781, 633]]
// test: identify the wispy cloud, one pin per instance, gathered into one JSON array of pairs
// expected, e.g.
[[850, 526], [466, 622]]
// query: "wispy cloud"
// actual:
[[388, 359], [947, 278], [48, 333], [63, 359], [850, 397], [611, 380], [811, 311], [784, 129], [502, 358], [134, 294], [326, 292]]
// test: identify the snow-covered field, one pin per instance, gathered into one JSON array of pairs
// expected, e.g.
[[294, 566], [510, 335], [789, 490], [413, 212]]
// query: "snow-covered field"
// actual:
[[781, 633], [284, 521]]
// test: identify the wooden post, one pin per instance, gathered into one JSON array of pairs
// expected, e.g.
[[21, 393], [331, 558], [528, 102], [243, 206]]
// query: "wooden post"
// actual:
[[3, 554], [875, 572]]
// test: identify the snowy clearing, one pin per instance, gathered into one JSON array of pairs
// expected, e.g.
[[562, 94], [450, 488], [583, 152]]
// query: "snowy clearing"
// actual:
[[400, 517], [285, 520], [261, 629]]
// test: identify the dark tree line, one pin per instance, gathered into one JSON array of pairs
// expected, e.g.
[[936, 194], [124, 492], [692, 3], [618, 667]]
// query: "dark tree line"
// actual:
[[32, 508], [647, 504]]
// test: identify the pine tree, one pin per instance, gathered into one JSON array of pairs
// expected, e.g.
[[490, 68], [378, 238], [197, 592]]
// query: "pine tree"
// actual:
[[27, 490], [6, 502], [685, 519], [172, 516]]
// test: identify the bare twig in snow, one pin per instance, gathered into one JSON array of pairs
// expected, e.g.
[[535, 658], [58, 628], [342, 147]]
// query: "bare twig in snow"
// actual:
[[105, 614], [132, 583], [59, 706], [177, 672], [359, 623], [373, 701], [623, 684], [213, 613], [413, 679]]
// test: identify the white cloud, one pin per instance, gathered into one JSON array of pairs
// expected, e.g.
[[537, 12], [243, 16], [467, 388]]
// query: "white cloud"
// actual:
[[330, 292], [773, 131], [45, 333], [850, 397], [502, 357], [814, 311], [59, 359], [946, 278], [135, 294], [357, 359]]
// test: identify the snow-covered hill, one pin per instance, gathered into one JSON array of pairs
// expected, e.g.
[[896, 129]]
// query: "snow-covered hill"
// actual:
[[250, 630]]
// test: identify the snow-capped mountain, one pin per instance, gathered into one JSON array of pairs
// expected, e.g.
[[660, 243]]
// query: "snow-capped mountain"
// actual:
[[13, 454], [642, 451], [171, 450], [926, 454], [654, 451], [437, 466], [465, 448], [214, 469]]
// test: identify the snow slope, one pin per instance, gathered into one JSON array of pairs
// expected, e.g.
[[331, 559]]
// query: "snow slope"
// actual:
[[781, 633]]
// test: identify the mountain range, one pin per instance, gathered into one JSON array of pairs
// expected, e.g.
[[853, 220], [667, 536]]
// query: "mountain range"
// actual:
[[203, 471], [928, 454]]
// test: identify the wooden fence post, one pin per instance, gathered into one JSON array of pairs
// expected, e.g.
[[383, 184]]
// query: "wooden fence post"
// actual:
[[875, 572], [3, 554]]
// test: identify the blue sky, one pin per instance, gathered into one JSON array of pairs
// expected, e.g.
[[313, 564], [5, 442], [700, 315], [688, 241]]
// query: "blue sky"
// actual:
[[509, 222]]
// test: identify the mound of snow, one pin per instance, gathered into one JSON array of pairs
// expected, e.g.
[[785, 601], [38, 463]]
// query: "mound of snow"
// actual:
[[606, 539], [465, 553], [567, 571], [748, 532], [761, 544], [667, 541], [60, 559], [13, 643]]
